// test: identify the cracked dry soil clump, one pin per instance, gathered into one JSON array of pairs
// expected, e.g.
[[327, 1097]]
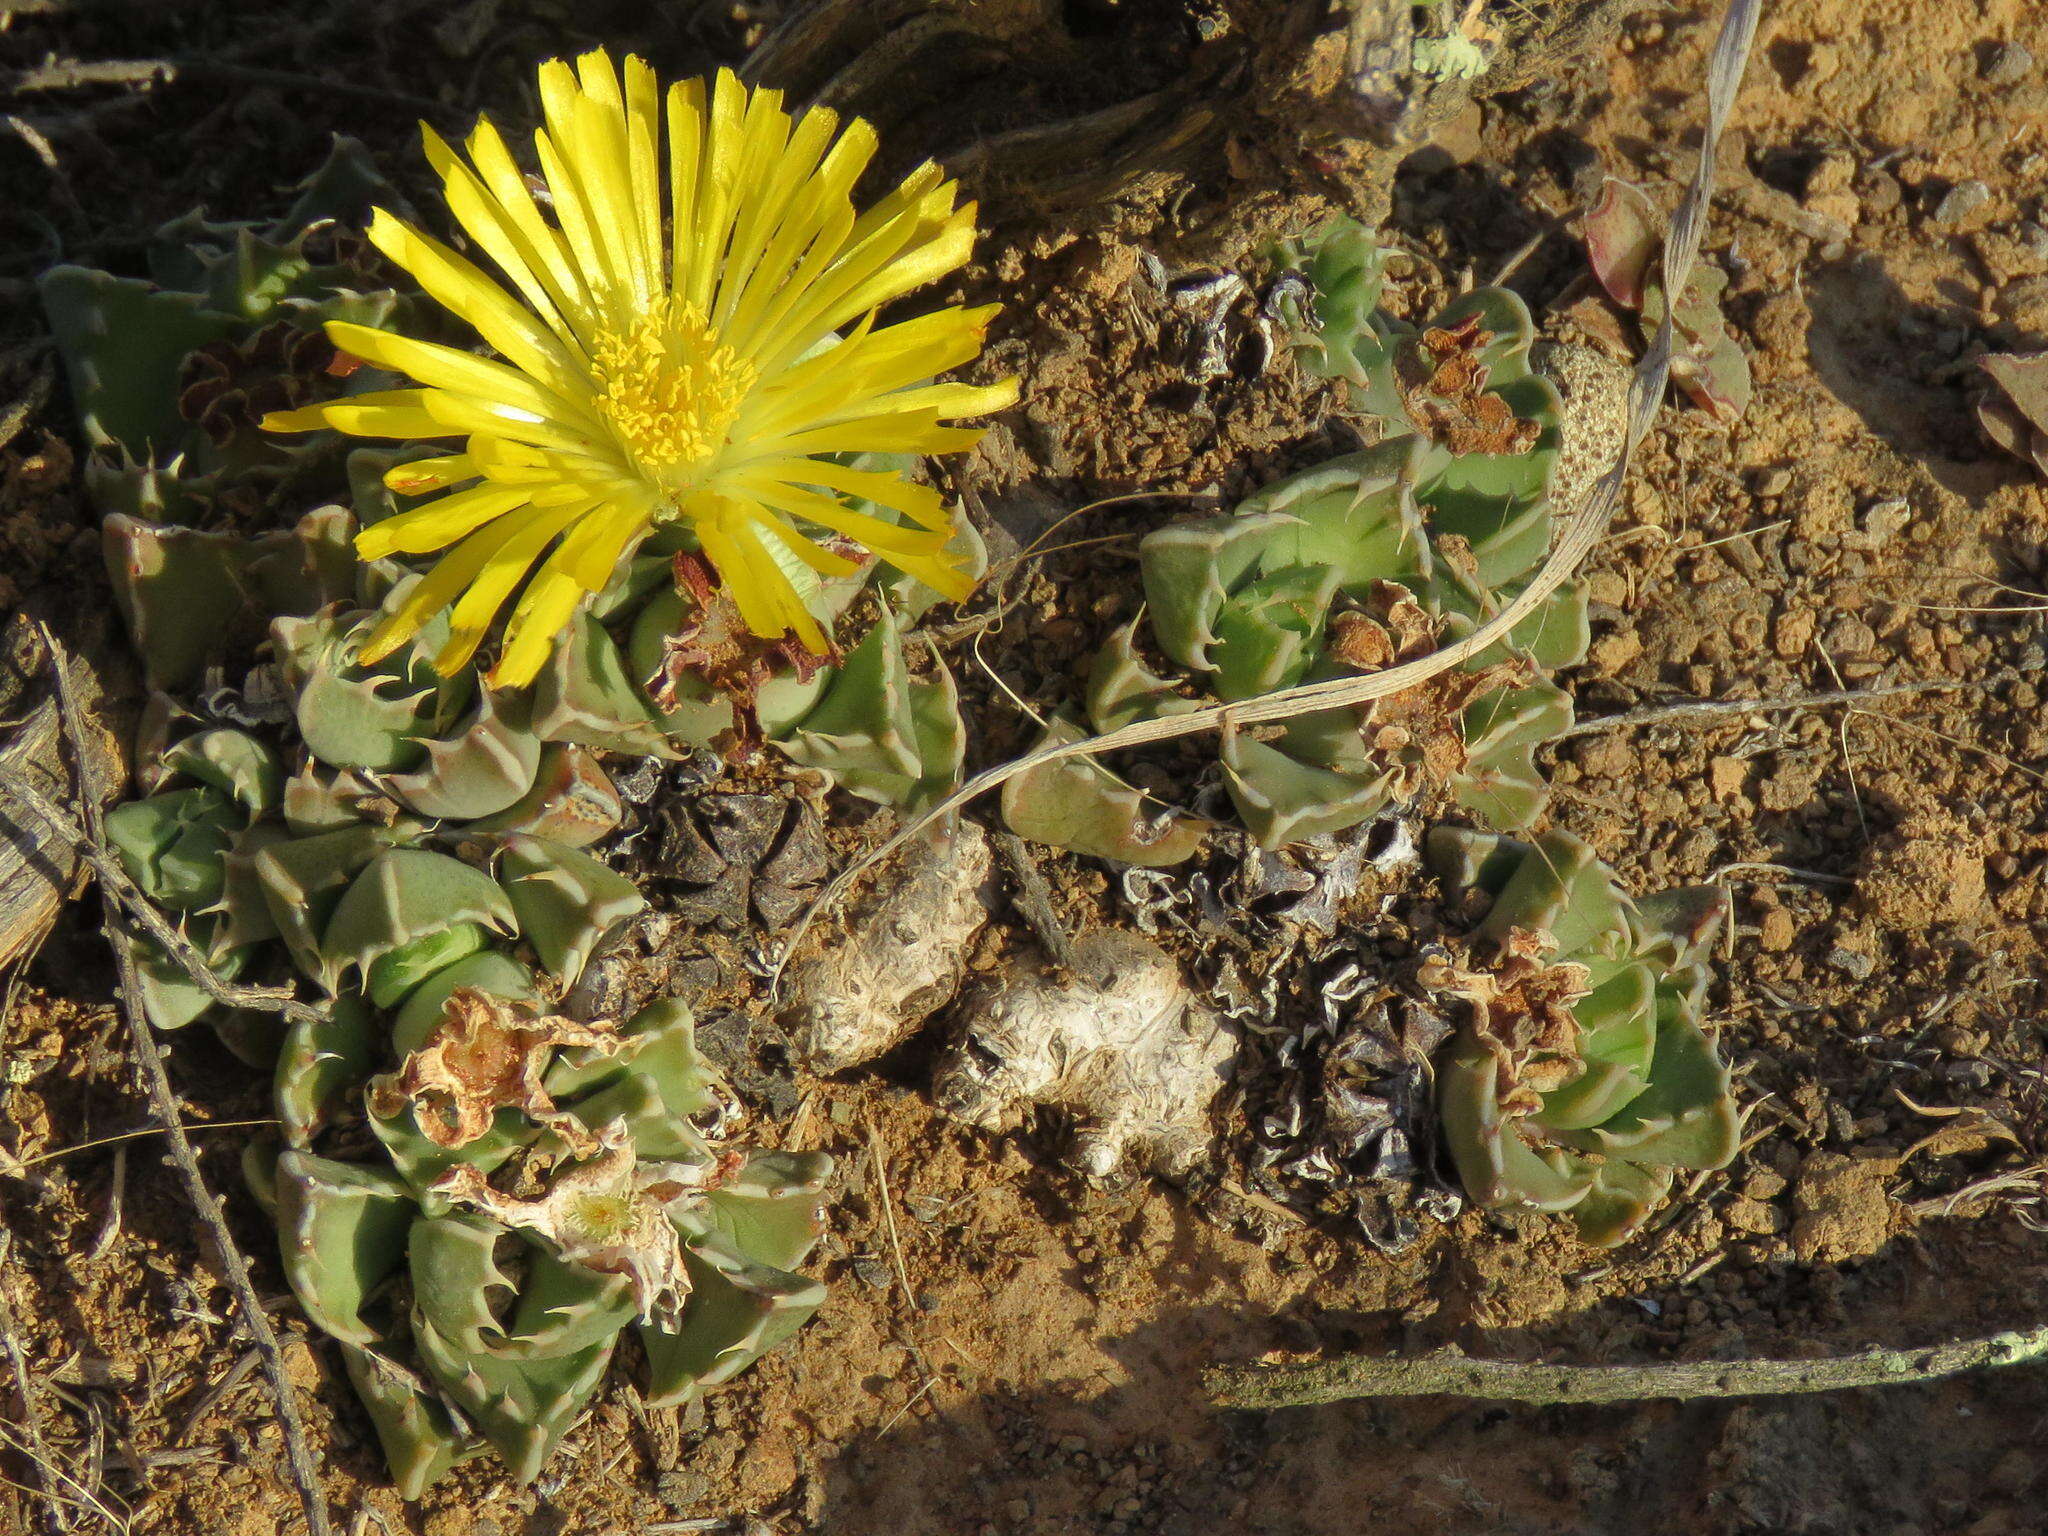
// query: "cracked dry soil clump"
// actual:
[[1008, 1350]]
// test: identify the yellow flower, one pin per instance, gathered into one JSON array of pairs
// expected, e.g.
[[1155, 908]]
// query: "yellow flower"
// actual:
[[650, 375]]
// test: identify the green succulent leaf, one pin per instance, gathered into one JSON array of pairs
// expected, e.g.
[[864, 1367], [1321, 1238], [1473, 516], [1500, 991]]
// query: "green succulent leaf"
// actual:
[[480, 770], [1122, 689], [1686, 1117], [768, 1215], [302, 881], [584, 695], [1619, 1200], [1190, 570], [1650, 1095], [420, 1161], [233, 762], [567, 902], [342, 1227], [419, 1437], [572, 801], [1077, 804], [325, 1058], [172, 587], [373, 717], [456, 1279], [1283, 800], [1356, 515], [1498, 1166], [881, 733], [661, 1047], [1500, 782], [737, 1312], [392, 976], [489, 971], [170, 998], [123, 341], [403, 896], [522, 1406], [172, 845]]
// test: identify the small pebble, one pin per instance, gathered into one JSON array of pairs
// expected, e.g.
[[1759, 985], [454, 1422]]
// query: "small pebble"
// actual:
[[1855, 963], [1960, 201], [2008, 65]]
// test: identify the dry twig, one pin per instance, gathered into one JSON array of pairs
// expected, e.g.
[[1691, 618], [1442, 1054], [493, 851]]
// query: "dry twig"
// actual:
[[1708, 709], [149, 1063], [1449, 1373]]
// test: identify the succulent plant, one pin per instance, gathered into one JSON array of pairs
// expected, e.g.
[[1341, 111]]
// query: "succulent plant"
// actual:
[[414, 850], [1582, 1078], [409, 823], [1115, 1040], [547, 1185], [171, 373], [1351, 566]]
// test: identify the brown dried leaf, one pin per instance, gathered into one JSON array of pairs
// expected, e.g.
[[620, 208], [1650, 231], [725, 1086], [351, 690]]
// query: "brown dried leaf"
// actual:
[[2015, 416], [1622, 235], [485, 1055], [1522, 1012]]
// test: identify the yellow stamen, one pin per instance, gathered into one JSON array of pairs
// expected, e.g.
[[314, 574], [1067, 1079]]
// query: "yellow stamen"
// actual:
[[670, 390]]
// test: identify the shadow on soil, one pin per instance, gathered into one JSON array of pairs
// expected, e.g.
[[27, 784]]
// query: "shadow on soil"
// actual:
[[1143, 1454]]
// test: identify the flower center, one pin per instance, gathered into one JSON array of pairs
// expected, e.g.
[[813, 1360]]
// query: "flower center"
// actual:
[[601, 1219], [670, 390]]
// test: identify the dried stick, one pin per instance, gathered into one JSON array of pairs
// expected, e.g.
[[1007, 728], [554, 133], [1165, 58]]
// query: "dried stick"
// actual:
[[1033, 897], [163, 1101], [1581, 530], [1702, 709], [72, 74], [1450, 1373], [115, 883], [31, 1411]]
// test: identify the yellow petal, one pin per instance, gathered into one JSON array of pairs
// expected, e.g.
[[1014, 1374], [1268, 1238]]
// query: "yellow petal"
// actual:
[[896, 432], [453, 575], [823, 298], [381, 413], [763, 207], [920, 503], [685, 152], [876, 382], [643, 157], [765, 597], [718, 171], [820, 223], [885, 538], [598, 149], [463, 373], [507, 207], [514, 237], [440, 523], [461, 287], [544, 610], [609, 301], [415, 477], [470, 619], [820, 559], [590, 555], [451, 412]]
